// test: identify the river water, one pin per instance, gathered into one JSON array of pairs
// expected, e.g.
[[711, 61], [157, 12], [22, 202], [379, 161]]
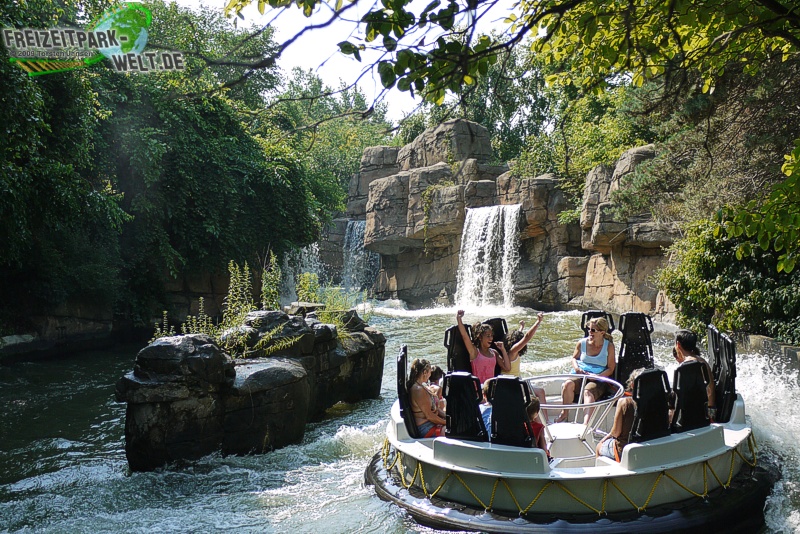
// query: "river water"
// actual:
[[63, 466]]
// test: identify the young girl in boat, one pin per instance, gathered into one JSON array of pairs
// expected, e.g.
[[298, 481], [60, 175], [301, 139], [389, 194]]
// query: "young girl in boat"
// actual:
[[427, 415], [534, 428], [612, 444], [594, 355], [517, 343], [481, 354]]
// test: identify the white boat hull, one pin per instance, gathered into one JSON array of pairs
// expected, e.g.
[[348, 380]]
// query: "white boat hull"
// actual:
[[437, 478]]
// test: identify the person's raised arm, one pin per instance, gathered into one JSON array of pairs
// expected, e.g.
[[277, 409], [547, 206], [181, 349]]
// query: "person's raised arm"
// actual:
[[473, 352], [503, 360], [422, 398], [522, 343]]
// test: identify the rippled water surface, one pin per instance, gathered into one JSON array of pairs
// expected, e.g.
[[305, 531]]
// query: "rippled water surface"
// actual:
[[63, 466]]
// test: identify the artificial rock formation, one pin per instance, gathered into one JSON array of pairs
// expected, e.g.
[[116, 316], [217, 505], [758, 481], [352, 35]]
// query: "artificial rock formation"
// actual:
[[187, 398], [414, 201]]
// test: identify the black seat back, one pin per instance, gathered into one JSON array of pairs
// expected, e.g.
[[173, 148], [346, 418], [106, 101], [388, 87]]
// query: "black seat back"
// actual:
[[464, 395], [499, 330], [714, 340], [509, 396], [457, 353], [691, 397], [651, 417], [725, 385], [636, 349], [593, 314], [402, 394]]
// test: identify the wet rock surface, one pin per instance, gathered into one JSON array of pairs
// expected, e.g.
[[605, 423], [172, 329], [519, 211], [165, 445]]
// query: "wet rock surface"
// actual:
[[187, 398]]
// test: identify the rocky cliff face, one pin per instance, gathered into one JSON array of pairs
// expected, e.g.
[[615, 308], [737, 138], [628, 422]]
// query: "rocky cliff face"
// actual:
[[415, 200], [187, 398]]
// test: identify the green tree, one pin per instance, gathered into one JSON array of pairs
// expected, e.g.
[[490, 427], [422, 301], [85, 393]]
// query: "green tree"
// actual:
[[599, 41], [330, 128], [59, 214], [511, 102], [112, 184], [708, 285]]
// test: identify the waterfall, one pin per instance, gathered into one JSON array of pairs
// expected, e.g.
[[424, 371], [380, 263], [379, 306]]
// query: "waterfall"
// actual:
[[489, 256], [295, 263], [360, 266]]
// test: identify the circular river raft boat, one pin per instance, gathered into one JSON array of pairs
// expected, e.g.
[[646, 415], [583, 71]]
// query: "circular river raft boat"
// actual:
[[679, 474]]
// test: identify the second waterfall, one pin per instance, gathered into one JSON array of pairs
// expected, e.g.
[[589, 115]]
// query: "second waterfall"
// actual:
[[489, 256]]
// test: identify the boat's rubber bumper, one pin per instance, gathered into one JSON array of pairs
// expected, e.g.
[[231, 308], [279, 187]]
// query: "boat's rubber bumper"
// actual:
[[739, 508]]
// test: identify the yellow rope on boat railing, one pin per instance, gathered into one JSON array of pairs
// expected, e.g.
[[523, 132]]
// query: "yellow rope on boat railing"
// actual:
[[578, 499], [513, 497], [716, 477], [705, 485], [471, 492], [527, 509], [418, 472]]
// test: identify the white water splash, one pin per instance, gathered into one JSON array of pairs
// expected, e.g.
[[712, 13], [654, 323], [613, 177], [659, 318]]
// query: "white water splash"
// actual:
[[489, 256]]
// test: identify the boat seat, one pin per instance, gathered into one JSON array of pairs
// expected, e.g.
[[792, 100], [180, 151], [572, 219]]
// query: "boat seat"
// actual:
[[594, 314], [463, 393], [723, 354], [509, 397], [402, 394], [691, 399], [651, 416], [636, 349], [698, 444], [713, 336], [457, 352], [500, 459]]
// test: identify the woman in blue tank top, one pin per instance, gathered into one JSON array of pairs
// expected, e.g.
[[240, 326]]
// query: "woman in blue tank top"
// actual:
[[594, 355]]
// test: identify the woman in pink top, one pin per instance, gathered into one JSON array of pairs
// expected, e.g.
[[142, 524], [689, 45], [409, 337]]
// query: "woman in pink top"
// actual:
[[481, 354]]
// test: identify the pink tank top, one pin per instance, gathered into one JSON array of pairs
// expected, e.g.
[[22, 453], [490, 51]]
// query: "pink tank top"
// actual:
[[483, 366]]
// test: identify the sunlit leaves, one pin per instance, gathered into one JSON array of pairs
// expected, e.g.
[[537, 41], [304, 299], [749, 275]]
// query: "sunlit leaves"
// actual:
[[775, 222]]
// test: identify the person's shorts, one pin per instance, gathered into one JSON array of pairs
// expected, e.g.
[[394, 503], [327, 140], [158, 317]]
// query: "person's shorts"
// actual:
[[609, 449], [430, 430], [595, 388]]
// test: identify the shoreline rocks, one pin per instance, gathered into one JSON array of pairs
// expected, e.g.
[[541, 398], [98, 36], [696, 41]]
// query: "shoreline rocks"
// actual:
[[187, 398]]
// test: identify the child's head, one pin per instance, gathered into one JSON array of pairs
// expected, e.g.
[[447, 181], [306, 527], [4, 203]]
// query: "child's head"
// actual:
[[436, 374], [632, 379], [485, 389], [479, 330], [514, 337], [533, 408]]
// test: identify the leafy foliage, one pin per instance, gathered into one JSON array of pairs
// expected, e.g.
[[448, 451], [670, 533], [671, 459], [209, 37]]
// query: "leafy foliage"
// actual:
[[584, 130], [229, 334], [270, 284], [773, 224], [59, 214], [329, 130], [708, 285], [715, 149], [308, 289], [115, 184], [589, 44]]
